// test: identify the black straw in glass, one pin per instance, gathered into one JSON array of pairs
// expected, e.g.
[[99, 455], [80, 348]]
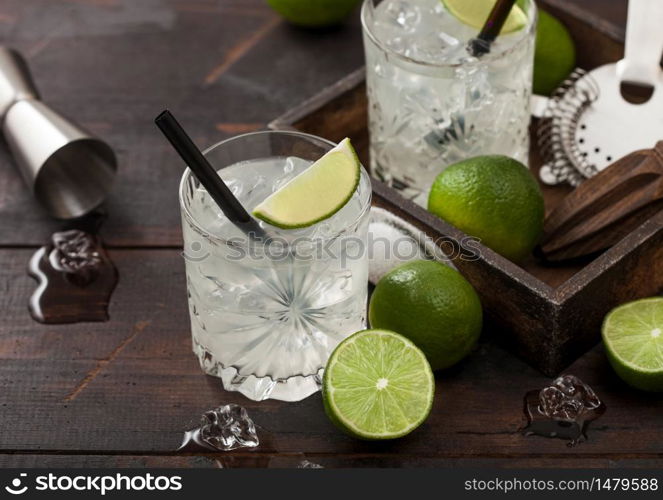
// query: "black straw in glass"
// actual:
[[201, 168], [491, 28]]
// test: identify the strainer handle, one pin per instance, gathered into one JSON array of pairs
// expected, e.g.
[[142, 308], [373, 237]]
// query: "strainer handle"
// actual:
[[644, 43]]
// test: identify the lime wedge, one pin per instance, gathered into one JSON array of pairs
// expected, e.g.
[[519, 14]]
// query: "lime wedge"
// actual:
[[317, 193], [475, 12], [633, 337], [377, 385]]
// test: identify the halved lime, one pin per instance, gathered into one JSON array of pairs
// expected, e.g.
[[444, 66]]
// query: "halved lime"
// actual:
[[377, 385], [317, 193], [475, 12], [633, 337]]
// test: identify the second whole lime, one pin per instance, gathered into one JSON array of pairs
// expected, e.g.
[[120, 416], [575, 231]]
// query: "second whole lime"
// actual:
[[432, 305], [493, 198]]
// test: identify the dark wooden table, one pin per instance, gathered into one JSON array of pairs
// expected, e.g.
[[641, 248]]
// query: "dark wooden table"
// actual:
[[121, 393]]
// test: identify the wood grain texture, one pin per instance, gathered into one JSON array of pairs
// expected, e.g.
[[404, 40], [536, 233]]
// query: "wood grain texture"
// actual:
[[113, 68], [213, 461], [132, 386], [121, 393]]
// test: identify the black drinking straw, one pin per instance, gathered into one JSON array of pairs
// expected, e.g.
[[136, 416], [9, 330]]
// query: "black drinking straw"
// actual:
[[205, 173], [491, 28]]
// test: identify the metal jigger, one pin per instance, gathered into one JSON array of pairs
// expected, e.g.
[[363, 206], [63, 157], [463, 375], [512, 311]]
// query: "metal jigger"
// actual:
[[69, 171]]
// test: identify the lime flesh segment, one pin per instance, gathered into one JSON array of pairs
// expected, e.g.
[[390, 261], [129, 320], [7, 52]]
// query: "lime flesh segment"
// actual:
[[378, 385], [317, 193], [633, 337], [475, 12]]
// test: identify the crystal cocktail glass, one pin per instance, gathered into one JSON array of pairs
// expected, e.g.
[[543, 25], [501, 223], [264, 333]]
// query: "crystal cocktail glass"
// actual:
[[265, 315], [431, 103]]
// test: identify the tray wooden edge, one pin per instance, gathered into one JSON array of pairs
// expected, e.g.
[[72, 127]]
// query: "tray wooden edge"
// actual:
[[649, 230]]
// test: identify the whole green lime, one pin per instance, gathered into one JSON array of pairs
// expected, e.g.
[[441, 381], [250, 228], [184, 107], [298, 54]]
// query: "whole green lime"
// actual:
[[314, 13], [494, 198], [554, 56], [432, 305]]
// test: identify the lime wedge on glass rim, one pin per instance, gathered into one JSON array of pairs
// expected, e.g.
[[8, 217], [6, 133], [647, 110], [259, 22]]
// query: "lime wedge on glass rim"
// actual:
[[317, 193], [377, 385], [633, 338], [475, 12]]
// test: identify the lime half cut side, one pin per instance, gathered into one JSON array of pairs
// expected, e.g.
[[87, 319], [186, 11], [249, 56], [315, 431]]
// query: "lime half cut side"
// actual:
[[475, 12], [633, 337], [317, 193], [378, 385]]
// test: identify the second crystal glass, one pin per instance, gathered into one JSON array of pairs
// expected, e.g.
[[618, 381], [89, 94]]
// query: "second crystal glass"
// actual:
[[430, 102]]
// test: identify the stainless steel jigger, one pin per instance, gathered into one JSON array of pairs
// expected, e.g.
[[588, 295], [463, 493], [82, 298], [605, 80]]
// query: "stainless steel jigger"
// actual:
[[69, 171]]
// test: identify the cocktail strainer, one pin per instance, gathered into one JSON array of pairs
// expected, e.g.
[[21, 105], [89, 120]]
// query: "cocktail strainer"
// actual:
[[588, 123]]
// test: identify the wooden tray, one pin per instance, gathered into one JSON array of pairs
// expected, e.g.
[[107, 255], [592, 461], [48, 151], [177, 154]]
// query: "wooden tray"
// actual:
[[548, 315]]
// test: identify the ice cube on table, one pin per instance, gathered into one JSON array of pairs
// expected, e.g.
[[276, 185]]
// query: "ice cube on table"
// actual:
[[75, 252], [567, 398], [227, 428]]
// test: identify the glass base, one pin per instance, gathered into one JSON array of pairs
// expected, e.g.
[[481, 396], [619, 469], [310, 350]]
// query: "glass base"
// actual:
[[258, 388]]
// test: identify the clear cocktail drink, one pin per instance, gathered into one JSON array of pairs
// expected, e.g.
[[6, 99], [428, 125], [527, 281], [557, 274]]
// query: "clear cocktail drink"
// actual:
[[432, 103], [265, 316]]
